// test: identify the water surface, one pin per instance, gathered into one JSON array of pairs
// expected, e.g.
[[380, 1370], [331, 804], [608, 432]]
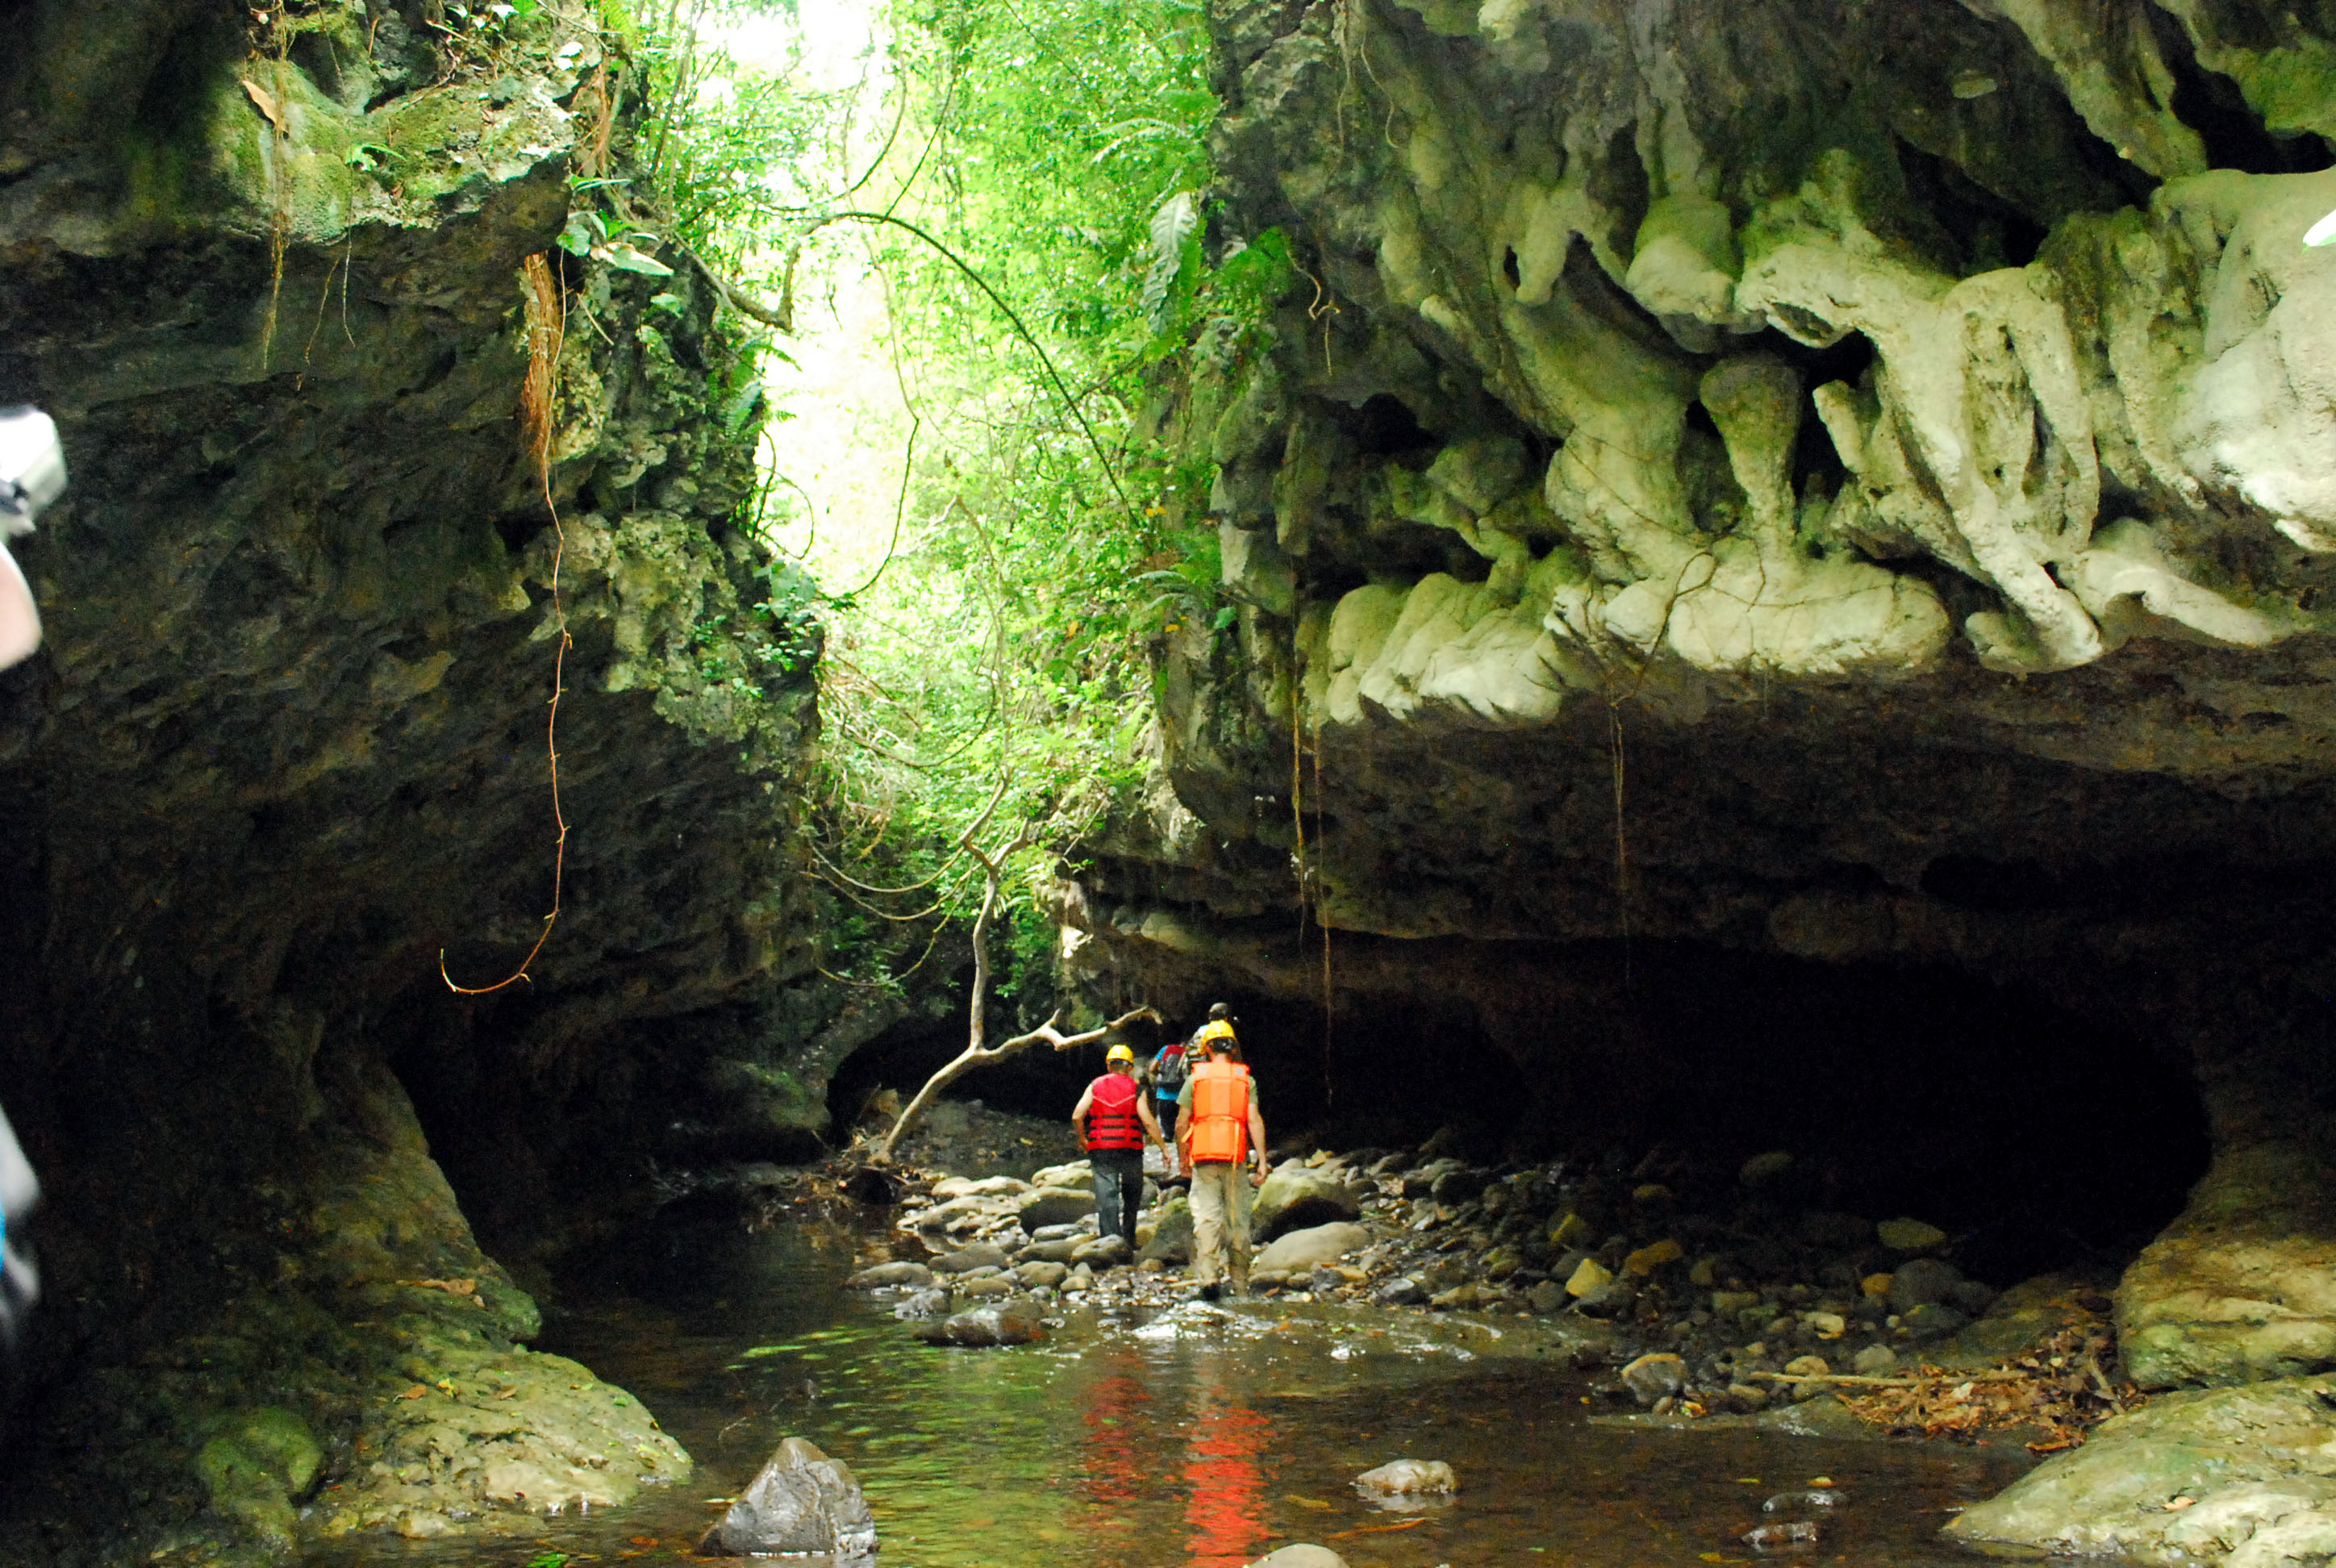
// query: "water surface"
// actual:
[[1200, 1438]]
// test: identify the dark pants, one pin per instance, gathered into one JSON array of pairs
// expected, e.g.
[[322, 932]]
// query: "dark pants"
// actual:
[[1166, 1111], [1119, 1191]]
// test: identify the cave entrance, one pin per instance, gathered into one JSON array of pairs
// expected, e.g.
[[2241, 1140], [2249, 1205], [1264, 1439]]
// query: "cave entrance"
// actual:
[[2039, 1138]]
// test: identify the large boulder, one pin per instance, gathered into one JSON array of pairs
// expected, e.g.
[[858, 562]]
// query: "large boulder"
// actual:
[[802, 1500], [1171, 1240], [1302, 1249], [2242, 1286], [1056, 1206], [2188, 1477], [1296, 1197]]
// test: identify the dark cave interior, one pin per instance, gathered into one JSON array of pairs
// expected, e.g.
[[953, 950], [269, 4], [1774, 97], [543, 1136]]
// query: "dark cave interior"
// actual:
[[2042, 1140]]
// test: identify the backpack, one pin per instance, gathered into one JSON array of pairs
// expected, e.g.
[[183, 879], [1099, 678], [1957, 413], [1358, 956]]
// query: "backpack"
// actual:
[[1168, 1069]]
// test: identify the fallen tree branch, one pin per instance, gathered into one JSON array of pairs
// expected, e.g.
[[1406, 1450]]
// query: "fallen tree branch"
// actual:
[[979, 1056], [1856, 1381]]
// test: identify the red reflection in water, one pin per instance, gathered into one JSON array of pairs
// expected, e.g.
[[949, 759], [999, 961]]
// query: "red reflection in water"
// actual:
[[1227, 1508], [1112, 1467]]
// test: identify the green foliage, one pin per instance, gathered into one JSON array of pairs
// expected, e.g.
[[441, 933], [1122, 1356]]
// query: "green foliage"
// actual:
[[997, 659]]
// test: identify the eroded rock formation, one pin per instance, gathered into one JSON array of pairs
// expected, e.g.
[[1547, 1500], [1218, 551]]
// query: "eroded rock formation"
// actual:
[[1841, 480], [286, 749]]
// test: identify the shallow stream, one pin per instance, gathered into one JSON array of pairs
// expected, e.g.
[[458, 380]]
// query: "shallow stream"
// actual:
[[1200, 1439]]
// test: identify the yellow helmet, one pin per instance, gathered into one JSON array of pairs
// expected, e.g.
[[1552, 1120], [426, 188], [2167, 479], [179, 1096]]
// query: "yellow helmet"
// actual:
[[1214, 1029], [1117, 1055]]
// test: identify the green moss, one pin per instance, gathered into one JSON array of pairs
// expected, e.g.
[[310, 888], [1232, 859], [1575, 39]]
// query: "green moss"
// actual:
[[2293, 89]]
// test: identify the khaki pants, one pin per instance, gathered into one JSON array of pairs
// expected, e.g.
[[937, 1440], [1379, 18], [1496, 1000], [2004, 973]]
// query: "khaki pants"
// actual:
[[1221, 1200]]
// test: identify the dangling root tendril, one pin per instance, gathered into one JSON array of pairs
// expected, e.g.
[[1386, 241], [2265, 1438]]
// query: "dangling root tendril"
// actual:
[[547, 327]]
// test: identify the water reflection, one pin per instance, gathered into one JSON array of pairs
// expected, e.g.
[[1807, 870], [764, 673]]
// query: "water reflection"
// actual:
[[1202, 1441]]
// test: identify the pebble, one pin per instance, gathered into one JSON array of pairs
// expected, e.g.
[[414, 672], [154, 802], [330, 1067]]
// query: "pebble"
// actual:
[[1591, 1278]]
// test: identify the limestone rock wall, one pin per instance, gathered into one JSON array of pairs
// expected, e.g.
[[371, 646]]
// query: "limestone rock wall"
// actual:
[[1838, 480], [284, 754]]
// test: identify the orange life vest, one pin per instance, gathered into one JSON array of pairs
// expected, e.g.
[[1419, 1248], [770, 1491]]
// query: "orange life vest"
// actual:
[[1220, 1111]]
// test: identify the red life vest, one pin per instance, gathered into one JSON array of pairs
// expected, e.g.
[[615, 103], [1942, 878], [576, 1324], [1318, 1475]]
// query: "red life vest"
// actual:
[[1220, 1111], [1112, 1121]]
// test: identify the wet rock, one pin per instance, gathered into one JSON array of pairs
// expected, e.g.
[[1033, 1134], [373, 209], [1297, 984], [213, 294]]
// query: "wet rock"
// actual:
[[1058, 1251], [1302, 1250], [1802, 1502], [1458, 1295], [1546, 1297], [802, 1500], [1931, 1320], [1570, 1230], [1409, 1476], [2188, 1476], [980, 1255], [1921, 1281], [1301, 1555], [1646, 1259], [1747, 1396], [1903, 1235], [1655, 1376], [1762, 1169], [923, 1305], [1874, 1361], [883, 1275], [259, 1461], [1042, 1275], [1072, 1174], [991, 1287], [1406, 1291], [1296, 1197], [1055, 1206], [1016, 1323], [1590, 1277], [1783, 1536], [1420, 1181], [1458, 1185], [1171, 1240], [1970, 1296], [1103, 1251], [2242, 1285]]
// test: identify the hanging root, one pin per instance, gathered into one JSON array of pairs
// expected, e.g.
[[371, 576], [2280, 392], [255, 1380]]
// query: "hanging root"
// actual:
[[547, 327]]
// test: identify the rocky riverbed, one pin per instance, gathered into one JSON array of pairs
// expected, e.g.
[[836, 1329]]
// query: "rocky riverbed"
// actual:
[[1691, 1299]]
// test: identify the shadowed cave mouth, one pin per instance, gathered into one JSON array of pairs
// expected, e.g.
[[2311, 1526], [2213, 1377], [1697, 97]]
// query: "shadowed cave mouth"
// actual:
[[2039, 1139]]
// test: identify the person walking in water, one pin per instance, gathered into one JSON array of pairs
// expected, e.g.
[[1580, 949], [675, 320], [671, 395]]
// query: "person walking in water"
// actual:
[[1114, 1122], [1224, 1135]]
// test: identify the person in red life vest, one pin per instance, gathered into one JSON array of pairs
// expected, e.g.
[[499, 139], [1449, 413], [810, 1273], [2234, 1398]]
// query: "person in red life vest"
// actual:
[[1115, 1124], [1224, 1130]]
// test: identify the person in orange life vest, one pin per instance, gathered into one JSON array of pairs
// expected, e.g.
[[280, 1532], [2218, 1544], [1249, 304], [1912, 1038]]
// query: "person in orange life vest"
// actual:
[[1115, 1124], [1224, 1130]]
